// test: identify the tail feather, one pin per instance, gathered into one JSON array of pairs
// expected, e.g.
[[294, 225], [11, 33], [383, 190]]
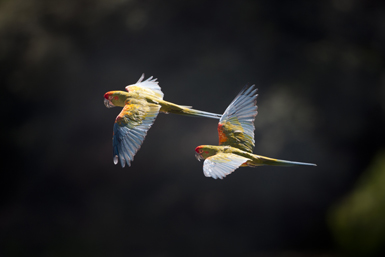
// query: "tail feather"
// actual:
[[276, 162], [168, 107], [197, 113]]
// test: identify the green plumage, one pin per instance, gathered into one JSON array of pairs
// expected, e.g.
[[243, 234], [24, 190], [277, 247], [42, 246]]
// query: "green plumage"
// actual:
[[236, 140]]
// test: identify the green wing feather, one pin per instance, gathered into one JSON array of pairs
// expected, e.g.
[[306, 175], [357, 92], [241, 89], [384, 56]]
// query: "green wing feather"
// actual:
[[236, 127]]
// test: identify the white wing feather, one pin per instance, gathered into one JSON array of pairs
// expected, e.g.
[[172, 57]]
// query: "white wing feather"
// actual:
[[150, 84], [222, 164]]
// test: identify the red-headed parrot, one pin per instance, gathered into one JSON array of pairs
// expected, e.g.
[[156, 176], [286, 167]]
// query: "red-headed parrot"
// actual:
[[236, 140], [141, 104]]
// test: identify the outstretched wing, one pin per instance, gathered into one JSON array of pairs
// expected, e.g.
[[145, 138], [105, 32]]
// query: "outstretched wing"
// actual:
[[222, 164], [131, 128], [150, 86], [236, 127]]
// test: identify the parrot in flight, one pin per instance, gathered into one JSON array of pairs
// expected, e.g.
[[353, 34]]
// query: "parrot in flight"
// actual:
[[141, 104], [236, 140]]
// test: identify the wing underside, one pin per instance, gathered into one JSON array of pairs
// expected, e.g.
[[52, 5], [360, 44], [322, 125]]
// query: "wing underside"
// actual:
[[130, 130], [236, 127], [222, 164]]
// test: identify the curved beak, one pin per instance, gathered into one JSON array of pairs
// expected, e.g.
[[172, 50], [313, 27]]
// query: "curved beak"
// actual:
[[108, 103], [198, 156]]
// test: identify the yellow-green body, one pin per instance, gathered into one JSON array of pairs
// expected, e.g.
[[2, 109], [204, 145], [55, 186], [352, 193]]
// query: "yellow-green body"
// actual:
[[236, 140], [121, 98], [253, 159], [141, 104]]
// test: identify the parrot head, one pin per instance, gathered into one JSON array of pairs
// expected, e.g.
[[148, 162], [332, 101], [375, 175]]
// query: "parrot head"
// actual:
[[115, 98], [204, 151]]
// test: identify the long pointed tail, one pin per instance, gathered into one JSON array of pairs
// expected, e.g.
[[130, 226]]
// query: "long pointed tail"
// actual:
[[197, 113], [276, 162], [169, 107]]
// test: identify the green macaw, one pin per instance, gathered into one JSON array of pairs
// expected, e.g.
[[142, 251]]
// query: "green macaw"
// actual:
[[236, 140], [141, 104]]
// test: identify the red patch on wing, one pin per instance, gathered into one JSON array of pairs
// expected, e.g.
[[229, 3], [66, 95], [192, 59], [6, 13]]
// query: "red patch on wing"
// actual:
[[244, 164], [119, 119], [221, 134]]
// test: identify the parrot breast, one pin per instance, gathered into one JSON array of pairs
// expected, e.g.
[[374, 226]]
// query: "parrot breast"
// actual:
[[222, 135]]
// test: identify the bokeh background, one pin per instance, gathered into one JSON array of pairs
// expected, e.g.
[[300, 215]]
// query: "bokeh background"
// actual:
[[319, 67]]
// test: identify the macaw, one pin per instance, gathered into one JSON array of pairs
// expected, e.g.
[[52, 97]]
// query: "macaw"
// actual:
[[236, 140], [141, 104]]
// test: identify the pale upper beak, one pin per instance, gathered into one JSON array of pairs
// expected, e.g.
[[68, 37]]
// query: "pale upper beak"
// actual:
[[198, 156], [108, 103]]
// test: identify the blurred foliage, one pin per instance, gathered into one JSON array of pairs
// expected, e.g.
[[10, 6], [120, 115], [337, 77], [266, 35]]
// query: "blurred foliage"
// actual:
[[357, 222]]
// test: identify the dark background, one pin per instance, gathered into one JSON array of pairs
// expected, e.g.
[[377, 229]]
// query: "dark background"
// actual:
[[319, 67]]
